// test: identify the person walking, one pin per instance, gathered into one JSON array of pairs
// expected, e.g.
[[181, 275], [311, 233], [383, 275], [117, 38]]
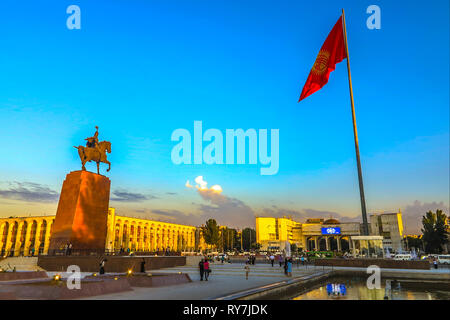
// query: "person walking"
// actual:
[[206, 269], [143, 265], [435, 263], [201, 268], [303, 260], [289, 268], [102, 266], [272, 259], [280, 260], [247, 270]]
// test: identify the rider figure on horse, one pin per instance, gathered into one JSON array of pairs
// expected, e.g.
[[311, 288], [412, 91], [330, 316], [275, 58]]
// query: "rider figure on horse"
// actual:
[[94, 151], [92, 142]]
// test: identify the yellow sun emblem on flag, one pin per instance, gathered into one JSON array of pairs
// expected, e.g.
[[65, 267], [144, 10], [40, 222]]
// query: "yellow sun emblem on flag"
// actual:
[[321, 64]]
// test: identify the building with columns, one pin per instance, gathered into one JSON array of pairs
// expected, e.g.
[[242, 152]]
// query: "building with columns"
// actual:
[[147, 235], [314, 234], [25, 235], [28, 236], [329, 235]]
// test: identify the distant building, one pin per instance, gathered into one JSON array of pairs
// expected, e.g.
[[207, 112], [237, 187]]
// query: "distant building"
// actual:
[[26, 236], [272, 233], [315, 234], [390, 226]]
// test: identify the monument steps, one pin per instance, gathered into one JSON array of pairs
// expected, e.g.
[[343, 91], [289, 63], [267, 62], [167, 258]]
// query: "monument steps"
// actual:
[[238, 270], [21, 264]]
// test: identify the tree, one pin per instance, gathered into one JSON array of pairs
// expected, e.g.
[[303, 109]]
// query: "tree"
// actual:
[[413, 242], [211, 232], [248, 238], [227, 238], [256, 245], [434, 231], [237, 240], [294, 248]]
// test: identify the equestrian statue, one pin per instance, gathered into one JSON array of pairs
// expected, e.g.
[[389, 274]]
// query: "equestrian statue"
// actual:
[[94, 151]]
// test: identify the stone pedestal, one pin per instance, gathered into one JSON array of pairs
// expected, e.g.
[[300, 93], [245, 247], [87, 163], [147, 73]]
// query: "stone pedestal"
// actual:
[[81, 217]]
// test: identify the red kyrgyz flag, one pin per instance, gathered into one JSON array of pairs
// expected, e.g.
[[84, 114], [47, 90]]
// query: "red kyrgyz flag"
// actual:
[[332, 52]]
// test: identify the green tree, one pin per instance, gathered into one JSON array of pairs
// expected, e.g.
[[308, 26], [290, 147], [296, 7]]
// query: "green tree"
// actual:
[[211, 232], [413, 242], [237, 241], [228, 236], [294, 248], [434, 231], [256, 245], [248, 238]]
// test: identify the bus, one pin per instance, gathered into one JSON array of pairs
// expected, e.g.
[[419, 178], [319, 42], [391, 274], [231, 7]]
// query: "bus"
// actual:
[[443, 258]]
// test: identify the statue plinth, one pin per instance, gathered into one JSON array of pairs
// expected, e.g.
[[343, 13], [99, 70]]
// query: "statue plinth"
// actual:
[[82, 214]]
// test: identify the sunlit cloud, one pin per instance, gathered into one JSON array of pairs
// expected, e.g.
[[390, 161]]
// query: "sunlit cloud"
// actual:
[[216, 188], [225, 210], [202, 186]]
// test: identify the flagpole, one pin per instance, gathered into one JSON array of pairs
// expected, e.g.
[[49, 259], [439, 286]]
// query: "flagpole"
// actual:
[[365, 230]]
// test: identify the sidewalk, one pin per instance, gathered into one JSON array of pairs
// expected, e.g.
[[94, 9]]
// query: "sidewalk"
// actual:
[[224, 280]]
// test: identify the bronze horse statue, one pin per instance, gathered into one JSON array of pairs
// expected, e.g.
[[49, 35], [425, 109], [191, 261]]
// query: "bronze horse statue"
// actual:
[[97, 154]]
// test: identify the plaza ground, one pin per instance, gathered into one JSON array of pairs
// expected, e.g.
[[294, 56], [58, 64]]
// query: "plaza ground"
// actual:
[[227, 279]]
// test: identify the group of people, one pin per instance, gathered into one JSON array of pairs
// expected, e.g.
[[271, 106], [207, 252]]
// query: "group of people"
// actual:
[[204, 269], [251, 260], [68, 249]]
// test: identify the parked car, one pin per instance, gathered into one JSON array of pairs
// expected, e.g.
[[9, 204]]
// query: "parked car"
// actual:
[[403, 256]]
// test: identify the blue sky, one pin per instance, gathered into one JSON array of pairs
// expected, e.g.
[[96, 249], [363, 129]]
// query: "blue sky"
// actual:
[[141, 69]]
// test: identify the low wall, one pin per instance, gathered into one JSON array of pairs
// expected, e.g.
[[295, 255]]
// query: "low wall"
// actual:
[[7, 296], [48, 290], [10, 276], [382, 263], [113, 263], [193, 260], [21, 263]]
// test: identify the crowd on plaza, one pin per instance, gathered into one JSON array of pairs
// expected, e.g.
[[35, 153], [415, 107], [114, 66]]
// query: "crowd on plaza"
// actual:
[[283, 261]]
